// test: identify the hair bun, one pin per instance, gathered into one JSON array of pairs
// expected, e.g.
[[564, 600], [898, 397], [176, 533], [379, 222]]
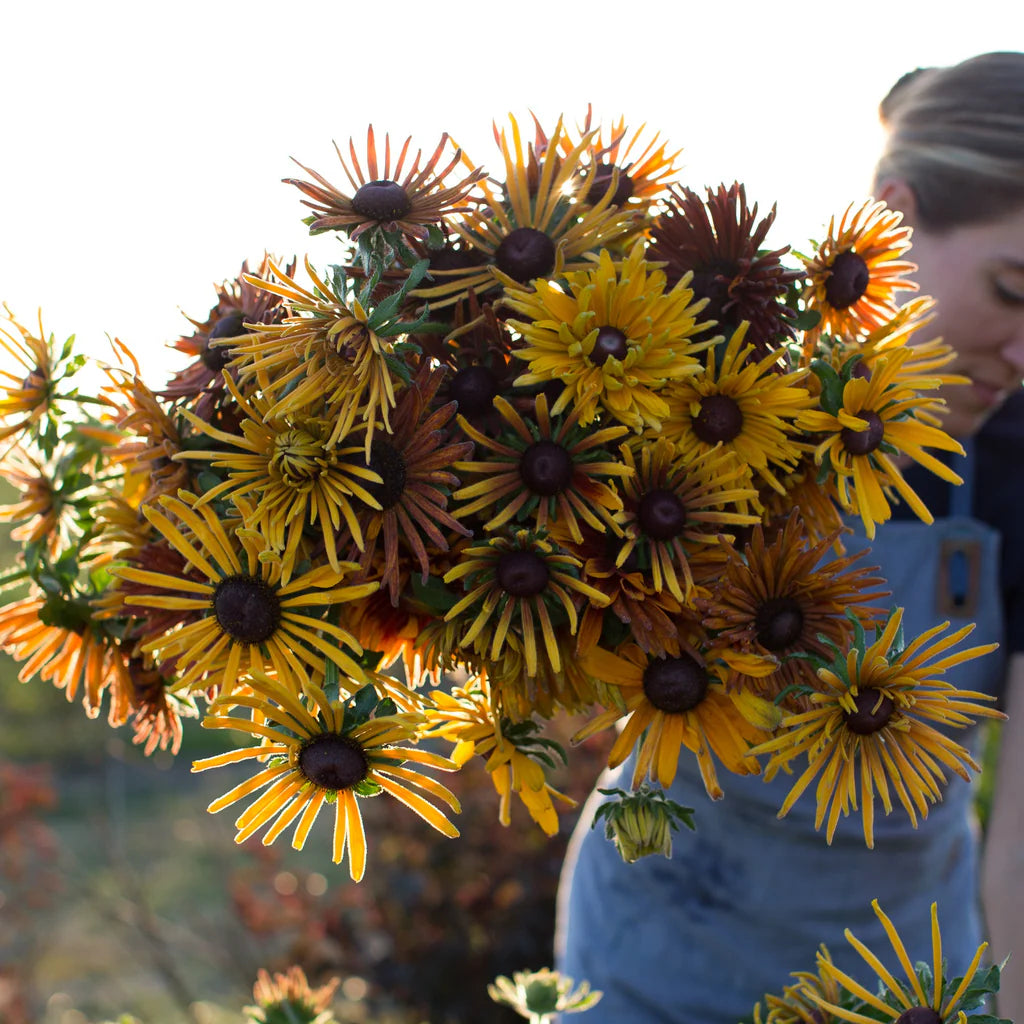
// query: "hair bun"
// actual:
[[893, 98]]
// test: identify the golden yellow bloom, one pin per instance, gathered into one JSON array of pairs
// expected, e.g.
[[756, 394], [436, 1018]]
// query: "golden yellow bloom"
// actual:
[[294, 475], [319, 751], [674, 508], [862, 425], [516, 587], [906, 998], [323, 352], [676, 702], [857, 270], [249, 619], [512, 752], [870, 727], [748, 407], [529, 229], [613, 340]]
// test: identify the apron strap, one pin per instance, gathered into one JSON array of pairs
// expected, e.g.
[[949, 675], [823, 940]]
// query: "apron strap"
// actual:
[[961, 500]]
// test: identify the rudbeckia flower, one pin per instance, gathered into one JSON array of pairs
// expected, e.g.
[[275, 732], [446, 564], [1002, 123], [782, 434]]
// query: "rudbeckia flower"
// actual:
[[519, 589], [613, 339], [543, 471], [872, 726], [514, 755], [291, 472], [384, 197], [673, 509], [780, 597], [529, 229], [909, 1000], [718, 244], [855, 273], [326, 351], [247, 617], [745, 405], [239, 302], [675, 702], [863, 423], [318, 751]]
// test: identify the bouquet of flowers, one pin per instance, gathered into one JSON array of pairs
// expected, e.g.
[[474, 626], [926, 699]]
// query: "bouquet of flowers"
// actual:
[[561, 437]]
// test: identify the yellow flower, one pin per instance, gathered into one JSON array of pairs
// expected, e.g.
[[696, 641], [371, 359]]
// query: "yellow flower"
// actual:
[[248, 618], [870, 728], [857, 270], [613, 340], [907, 998], [530, 229], [862, 425], [513, 753], [676, 702], [323, 352], [321, 751], [748, 407]]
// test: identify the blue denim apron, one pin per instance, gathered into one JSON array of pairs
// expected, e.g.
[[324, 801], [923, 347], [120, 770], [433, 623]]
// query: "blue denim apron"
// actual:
[[747, 898]]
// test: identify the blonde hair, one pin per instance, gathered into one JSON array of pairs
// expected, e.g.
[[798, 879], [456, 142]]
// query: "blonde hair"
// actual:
[[956, 137]]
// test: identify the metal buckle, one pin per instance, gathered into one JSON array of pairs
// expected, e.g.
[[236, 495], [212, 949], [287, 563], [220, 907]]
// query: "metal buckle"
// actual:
[[959, 577]]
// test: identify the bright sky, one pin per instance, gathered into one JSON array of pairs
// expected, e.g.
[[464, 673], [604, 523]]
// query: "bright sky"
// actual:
[[143, 145]]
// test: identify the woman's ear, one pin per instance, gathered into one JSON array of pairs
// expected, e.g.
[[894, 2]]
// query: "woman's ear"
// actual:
[[898, 195]]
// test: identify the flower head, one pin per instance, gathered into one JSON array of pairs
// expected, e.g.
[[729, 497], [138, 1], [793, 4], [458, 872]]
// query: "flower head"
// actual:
[[857, 270], [613, 339], [909, 1001], [529, 229], [718, 245], [862, 423], [872, 727], [321, 751], [383, 197], [247, 617]]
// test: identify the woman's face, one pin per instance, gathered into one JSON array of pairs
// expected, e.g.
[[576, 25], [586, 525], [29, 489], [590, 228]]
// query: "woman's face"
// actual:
[[976, 275]]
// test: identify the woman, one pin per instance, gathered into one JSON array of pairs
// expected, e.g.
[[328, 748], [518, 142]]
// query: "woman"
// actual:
[[704, 935]]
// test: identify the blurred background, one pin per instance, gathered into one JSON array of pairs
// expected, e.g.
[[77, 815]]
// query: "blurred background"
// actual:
[[140, 163]]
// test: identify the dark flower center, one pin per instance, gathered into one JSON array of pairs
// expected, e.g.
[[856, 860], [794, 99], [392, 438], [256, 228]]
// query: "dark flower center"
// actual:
[[522, 573], [546, 468], [381, 200], [848, 281], [863, 442], [720, 419], [873, 712], [525, 253], [610, 343], [862, 370], [333, 762], [387, 460], [661, 515], [216, 357], [474, 388], [449, 258], [779, 623], [247, 609], [601, 181], [675, 685], [919, 1015]]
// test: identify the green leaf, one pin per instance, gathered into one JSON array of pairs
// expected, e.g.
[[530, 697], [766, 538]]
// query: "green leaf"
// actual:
[[364, 702], [831, 386]]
